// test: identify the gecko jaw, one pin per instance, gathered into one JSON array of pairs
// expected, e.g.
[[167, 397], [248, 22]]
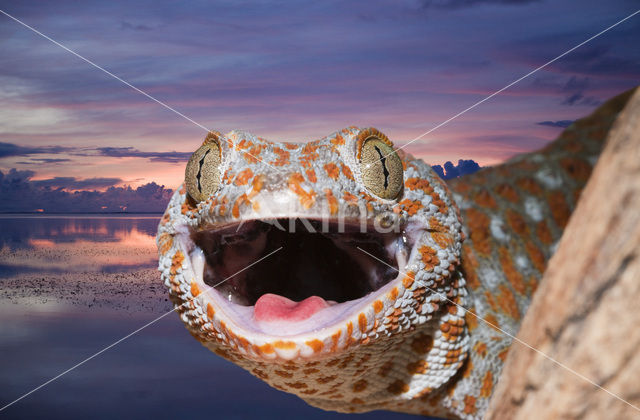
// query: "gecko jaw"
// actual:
[[314, 281]]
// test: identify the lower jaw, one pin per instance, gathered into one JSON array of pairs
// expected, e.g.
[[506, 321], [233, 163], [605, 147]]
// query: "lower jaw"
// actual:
[[270, 299]]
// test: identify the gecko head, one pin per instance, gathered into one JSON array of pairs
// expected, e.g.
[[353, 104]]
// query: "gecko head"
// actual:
[[280, 251]]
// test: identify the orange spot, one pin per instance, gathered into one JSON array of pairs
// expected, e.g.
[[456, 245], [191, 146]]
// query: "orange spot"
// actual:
[[210, 311], [243, 176], [469, 404], [513, 275], [349, 330], [334, 340], [577, 168], [393, 294], [306, 198], [311, 175], [544, 234], [332, 170], [418, 184], [195, 290], [326, 379], [481, 349], [398, 387], [411, 206], [296, 385], [360, 385], [347, 172], [407, 281], [284, 345], [478, 224], [517, 223], [507, 302], [176, 262], [338, 140], [559, 208], [256, 185], [350, 198], [418, 367], [507, 192], [243, 199], [529, 185], [487, 385], [316, 345], [484, 199], [362, 322], [429, 257], [377, 306], [283, 157], [333, 201], [165, 241], [536, 256]]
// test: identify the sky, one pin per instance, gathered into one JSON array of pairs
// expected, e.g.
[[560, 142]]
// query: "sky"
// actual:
[[294, 71]]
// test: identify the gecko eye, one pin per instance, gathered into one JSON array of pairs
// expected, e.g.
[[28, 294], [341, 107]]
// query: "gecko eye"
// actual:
[[381, 167], [202, 175]]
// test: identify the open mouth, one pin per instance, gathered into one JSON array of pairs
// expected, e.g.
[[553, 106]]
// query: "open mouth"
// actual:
[[317, 275]]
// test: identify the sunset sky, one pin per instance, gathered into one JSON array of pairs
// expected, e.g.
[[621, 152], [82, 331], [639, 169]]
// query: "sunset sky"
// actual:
[[295, 71]]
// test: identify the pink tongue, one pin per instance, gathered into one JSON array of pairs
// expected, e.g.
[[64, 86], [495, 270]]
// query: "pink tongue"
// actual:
[[272, 307]]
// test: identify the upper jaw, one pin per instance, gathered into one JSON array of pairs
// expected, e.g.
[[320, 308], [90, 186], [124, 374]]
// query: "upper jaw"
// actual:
[[342, 288]]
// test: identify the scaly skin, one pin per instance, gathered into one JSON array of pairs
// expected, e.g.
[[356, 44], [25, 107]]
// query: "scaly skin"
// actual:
[[409, 346]]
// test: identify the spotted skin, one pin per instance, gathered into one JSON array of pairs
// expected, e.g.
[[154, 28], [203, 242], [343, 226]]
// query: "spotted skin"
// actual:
[[482, 243]]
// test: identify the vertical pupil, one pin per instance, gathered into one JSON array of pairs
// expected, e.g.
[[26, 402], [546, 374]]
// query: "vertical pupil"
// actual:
[[385, 171], [199, 175]]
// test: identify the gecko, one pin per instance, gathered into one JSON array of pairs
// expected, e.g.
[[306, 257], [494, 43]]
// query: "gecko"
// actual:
[[351, 275]]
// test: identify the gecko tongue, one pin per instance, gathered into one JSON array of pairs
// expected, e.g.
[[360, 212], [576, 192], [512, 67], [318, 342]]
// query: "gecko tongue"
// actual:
[[270, 307]]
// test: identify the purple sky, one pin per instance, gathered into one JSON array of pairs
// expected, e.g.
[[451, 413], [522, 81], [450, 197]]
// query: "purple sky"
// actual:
[[296, 71]]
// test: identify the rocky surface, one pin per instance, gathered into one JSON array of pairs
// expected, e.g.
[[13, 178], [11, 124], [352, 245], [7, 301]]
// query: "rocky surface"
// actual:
[[585, 314]]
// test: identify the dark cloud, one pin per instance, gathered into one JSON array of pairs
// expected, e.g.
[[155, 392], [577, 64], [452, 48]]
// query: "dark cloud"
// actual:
[[577, 87], [464, 167], [21, 194], [71, 183], [38, 161], [581, 99], [576, 84], [560, 124], [10, 149], [458, 4], [135, 27], [120, 152]]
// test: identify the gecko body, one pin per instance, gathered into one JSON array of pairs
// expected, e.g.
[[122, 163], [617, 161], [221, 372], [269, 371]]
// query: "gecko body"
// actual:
[[351, 275]]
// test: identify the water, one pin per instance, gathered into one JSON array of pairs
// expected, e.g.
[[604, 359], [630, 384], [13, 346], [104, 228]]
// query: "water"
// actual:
[[72, 285]]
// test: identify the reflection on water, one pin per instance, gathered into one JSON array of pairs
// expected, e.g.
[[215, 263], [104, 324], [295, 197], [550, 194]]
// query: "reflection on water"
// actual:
[[25, 231], [50, 322], [86, 243]]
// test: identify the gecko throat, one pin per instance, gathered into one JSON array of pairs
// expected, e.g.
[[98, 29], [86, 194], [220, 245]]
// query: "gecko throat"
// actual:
[[312, 271]]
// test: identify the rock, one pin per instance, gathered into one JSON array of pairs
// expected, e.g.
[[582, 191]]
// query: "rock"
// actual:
[[585, 314]]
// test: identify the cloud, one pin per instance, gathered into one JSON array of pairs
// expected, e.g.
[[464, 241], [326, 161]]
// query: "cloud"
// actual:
[[21, 194], [71, 183], [10, 149], [121, 152], [135, 27], [38, 161], [464, 167], [458, 4], [561, 123], [580, 99]]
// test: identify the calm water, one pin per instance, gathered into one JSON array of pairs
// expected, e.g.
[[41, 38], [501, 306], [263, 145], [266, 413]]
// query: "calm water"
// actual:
[[161, 372]]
